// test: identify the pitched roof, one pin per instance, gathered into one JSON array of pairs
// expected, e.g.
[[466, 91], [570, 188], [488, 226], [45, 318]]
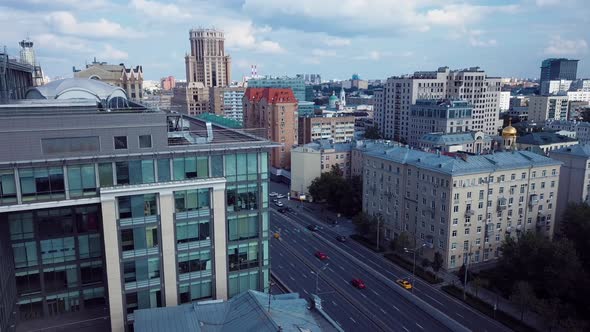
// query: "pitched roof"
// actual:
[[451, 139], [272, 95], [580, 150], [544, 138]]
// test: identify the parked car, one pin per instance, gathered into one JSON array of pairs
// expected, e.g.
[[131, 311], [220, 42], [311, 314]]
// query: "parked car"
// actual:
[[279, 204], [313, 228], [404, 283], [358, 283], [341, 238], [273, 194], [281, 196], [321, 255], [274, 200]]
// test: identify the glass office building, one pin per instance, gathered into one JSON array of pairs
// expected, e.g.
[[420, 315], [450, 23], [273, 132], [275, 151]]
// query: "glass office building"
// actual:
[[105, 212]]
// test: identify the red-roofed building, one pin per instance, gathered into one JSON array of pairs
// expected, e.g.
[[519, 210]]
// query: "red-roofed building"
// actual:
[[275, 110]]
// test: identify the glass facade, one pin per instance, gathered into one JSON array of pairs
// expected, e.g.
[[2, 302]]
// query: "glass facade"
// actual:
[[7, 187], [58, 258], [41, 184]]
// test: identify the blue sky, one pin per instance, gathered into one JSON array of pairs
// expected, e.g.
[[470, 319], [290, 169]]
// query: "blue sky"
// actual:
[[335, 38]]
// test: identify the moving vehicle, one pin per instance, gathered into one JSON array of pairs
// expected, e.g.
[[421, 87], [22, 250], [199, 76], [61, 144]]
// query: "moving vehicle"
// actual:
[[358, 283], [341, 238], [281, 196], [273, 194], [321, 255], [404, 283], [313, 228], [279, 204]]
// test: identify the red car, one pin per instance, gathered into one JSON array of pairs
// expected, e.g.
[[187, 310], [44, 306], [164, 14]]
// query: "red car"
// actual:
[[358, 283], [321, 255]]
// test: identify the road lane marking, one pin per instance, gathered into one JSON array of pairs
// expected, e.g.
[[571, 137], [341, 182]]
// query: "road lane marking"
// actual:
[[341, 268], [405, 328], [430, 297], [293, 265], [396, 308], [375, 292], [383, 311], [363, 295], [280, 266], [304, 276], [329, 268], [334, 303], [292, 278], [420, 326], [306, 292], [459, 315], [352, 319]]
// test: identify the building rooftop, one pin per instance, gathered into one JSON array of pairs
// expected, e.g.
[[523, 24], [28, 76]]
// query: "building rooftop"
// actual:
[[466, 164], [325, 144], [443, 102], [579, 150], [247, 311], [272, 95], [454, 138], [544, 138]]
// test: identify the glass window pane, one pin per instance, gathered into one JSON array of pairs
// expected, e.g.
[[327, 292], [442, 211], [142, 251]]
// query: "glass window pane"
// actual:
[[75, 180], [252, 163], [145, 141], [203, 167], [163, 170], [105, 174], [179, 169], [190, 167], [217, 166], [88, 178], [135, 172], [230, 165], [147, 171], [122, 170], [120, 142]]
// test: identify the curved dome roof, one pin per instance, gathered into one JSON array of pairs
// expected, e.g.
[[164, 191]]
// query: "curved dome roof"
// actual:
[[509, 130], [77, 88]]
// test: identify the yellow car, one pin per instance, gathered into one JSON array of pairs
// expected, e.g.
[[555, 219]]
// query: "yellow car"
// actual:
[[404, 283]]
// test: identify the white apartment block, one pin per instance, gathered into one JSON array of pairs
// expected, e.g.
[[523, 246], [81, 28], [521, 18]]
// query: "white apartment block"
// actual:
[[555, 86], [460, 206], [504, 100], [392, 104], [543, 108], [574, 176]]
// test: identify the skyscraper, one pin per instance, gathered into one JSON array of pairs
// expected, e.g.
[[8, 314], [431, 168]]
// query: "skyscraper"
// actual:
[[207, 66], [27, 56], [558, 69]]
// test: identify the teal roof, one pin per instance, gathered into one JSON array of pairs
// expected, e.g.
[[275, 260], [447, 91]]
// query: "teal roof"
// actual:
[[333, 97], [220, 120], [247, 311], [544, 138], [468, 164]]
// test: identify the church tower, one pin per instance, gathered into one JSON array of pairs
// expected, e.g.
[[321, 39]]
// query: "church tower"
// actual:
[[342, 98], [509, 137]]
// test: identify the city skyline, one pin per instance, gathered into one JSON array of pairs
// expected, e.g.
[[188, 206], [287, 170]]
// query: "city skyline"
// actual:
[[333, 38]]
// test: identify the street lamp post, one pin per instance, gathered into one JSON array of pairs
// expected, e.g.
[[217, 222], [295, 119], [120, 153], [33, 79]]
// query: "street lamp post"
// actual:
[[465, 277], [317, 277], [378, 228], [414, 266]]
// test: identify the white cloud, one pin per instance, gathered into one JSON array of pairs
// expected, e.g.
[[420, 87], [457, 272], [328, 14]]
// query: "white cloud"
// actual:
[[417, 15], [542, 3], [77, 4], [61, 43], [336, 41], [311, 61], [561, 47], [65, 23], [243, 35], [373, 55], [476, 39], [113, 54], [159, 10], [323, 53]]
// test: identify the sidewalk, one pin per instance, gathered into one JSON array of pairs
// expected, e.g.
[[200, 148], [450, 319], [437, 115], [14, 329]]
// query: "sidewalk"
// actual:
[[530, 318]]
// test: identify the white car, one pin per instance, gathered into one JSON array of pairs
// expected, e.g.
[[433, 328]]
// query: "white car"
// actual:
[[281, 196], [272, 194], [279, 204]]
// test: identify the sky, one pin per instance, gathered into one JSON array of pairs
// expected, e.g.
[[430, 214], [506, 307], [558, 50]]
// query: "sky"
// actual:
[[335, 38]]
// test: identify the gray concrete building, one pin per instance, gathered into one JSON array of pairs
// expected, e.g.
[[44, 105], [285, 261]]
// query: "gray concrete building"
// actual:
[[462, 206], [432, 116], [574, 177], [108, 207]]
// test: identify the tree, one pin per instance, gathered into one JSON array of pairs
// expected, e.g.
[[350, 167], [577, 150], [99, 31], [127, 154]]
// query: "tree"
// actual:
[[373, 132], [575, 225], [362, 223], [437, 263], [522, 296], [401, 241], [425, 263], [549, 311], [479, 282]]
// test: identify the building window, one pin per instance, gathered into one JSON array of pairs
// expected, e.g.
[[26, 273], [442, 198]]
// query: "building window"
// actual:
[[135, 172], [194, 291], [7, 187], [193, 231], [145, 141], [81, 180], [191, 168], [42, 183], [137, 206], [243, 256], [105, 174], [139, 238], [120, 142], [454, 234], [195, 263], [242, 197], [243, 227]]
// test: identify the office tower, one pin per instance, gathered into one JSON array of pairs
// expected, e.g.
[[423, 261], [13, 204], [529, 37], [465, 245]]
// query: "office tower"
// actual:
[[462, 206], [109, 207], [275, 110], [129, 79], [207, 66], [544, 108], [297, 84], [439, 116], [393, 102], [558, 69]]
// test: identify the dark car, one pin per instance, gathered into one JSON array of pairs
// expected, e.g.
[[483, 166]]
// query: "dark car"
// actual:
[[341, 238], [321, 255], [313, 228], [283, 210]]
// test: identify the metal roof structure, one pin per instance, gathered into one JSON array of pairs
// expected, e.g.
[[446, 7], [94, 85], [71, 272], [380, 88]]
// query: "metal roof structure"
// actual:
[[454, 138], [579, 150], [544, 138], [245, 312]]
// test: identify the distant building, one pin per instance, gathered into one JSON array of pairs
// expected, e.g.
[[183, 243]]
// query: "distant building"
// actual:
[[129, 79], [297, 84], [574, 178], [207, 66], [443, 115], [15, 78], [275, 110], [582, 129], [355, 83], [558, 69], [544, 142], [338, 129], [471, 142], [27, 56], [360, 147], [462, 206], [392, 103], [309, 161], [248, 311], [519, 101], [520, 113], [504, 102], [312, 79], [577, 108], [167, 83], [544, 108], [555, 87], [227, 102]]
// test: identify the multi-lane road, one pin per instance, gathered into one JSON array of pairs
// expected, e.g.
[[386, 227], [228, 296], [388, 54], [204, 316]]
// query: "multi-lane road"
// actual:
[[379, 306]]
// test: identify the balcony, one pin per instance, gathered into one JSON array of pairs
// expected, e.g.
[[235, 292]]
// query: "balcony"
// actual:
[[533, 200], [469, 213]]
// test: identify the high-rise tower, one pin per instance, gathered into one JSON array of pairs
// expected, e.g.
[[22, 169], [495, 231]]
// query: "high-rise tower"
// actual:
[[27, 53], [207, 66]]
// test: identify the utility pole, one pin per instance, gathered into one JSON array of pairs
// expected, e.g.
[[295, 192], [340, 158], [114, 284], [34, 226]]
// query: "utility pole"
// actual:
[[414, 266], [466, 268], [378, 228]]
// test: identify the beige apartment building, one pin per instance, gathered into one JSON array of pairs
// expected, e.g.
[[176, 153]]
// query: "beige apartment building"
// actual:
[[460, 206], [339, 129], [311, 160], [574, 176], [275, 110]]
